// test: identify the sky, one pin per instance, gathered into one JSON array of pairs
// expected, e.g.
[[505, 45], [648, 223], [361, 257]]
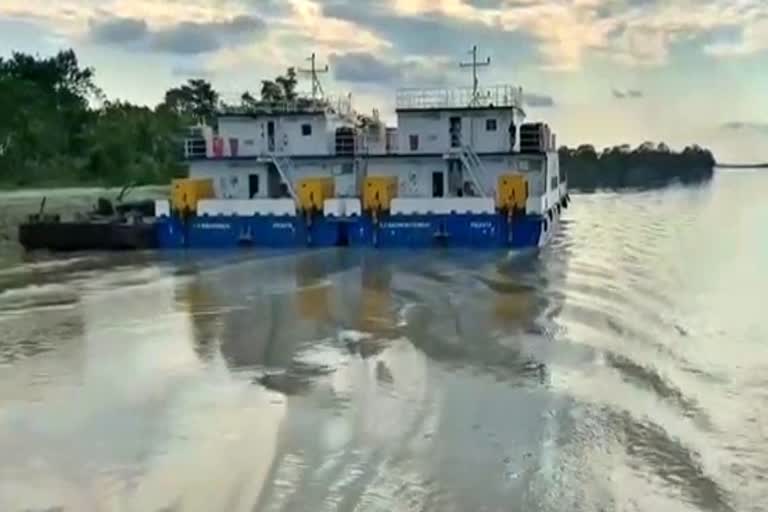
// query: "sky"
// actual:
[[602, 72]]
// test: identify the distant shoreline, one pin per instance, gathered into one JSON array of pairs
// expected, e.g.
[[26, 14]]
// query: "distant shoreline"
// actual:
[[71, 185], [741, 166]]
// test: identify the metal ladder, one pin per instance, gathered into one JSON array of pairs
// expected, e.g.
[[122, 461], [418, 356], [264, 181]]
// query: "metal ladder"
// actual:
[[473, 165], [286, 170]]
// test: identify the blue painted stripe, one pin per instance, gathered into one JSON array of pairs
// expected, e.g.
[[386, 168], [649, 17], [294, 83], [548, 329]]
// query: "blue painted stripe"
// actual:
[[395, 231]]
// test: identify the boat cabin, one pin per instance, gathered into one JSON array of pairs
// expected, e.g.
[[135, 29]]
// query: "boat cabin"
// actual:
[[446, 143]]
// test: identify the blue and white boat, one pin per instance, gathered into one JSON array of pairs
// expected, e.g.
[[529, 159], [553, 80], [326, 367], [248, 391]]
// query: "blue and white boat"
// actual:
[[461, 168]]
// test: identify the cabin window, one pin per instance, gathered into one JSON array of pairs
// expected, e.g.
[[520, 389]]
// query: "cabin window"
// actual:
[[490, 125], [306, 129], [553, 183], [248, 142], [414, 142]]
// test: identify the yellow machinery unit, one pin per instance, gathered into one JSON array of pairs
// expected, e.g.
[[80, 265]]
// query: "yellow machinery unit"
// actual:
[[313, 191], [512, 192], [379, 192], [185, 193]]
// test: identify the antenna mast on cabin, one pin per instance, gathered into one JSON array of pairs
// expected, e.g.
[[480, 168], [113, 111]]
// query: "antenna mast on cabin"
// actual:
[[474, 65], [313, 72]]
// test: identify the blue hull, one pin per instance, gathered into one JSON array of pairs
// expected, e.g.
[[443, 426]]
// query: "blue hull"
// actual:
[[483, 231], [235, 231]]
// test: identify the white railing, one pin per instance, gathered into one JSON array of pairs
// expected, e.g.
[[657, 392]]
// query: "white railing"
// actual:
[[246, 207], [339, 105], [495, 96], [196, 147], [442, 205]]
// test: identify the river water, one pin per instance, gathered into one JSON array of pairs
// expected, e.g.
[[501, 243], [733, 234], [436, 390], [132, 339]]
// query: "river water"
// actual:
[[624, 367]]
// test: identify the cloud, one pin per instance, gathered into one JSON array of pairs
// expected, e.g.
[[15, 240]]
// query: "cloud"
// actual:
[[435, 35], [193, 72], [118, 30], [750, 39], [184, 38], [328, 34], [751, 126], [366, 68], [627, 94], [363, 67], [558, 35], [564, 34], [538, 100]]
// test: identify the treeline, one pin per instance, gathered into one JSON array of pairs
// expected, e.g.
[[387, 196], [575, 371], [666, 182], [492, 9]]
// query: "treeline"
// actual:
[[52, 134], [58, 128], [647, 166]]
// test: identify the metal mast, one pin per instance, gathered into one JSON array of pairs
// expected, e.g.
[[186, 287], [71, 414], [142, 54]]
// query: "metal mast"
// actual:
[[474, 65], [313, 72]]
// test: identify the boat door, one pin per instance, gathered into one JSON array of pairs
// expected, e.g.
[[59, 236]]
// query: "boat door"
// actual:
[[253, 185], [438, 184], [271, 136], [455, 131]]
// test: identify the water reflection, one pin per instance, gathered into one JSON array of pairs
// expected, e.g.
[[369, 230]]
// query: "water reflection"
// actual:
[[277, 382], [351, 341], [313, 290]]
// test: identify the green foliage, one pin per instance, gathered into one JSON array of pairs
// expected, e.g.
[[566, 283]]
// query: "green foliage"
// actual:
[[196, 100], [647, 166], [128, 143], [50, 135], [247, 100], [283, 88]]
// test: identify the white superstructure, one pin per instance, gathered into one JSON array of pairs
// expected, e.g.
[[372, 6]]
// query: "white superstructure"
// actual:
[[446, 143]]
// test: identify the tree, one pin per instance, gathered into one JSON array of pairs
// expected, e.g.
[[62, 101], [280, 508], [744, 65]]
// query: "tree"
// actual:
[[45, 110], [51, 132], [288, 84], [586, 151], [247, 100], [647, 147], [59, 76], [282, 88], [648, 166], [271, 92], [196, 100]]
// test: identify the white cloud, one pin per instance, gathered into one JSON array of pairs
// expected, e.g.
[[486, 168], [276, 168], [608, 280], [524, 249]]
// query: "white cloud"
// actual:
[[629, 32], [754, 38], [330, 34], [566, 32]]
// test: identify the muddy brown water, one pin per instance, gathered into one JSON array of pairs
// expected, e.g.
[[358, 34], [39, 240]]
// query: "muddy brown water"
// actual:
[[624, 367]]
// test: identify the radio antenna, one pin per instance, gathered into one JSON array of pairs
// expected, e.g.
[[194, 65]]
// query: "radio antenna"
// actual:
[[313, 72], [474, 65]]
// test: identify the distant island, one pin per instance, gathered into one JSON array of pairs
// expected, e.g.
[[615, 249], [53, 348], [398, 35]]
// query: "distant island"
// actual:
[[742, 166], [57, 128], [647, 166]]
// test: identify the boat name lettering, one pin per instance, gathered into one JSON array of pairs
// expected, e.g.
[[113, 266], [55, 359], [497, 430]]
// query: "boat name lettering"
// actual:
[[481, 225], [282, 225], [212, 225], [406, 225]]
